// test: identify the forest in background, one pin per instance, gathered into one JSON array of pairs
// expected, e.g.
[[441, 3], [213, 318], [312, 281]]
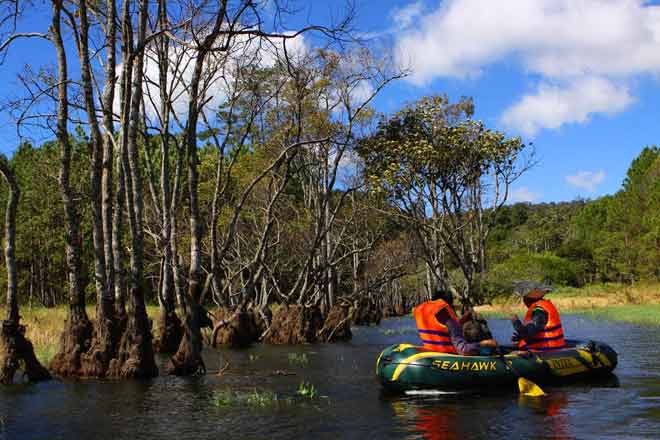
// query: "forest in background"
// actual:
[[614, 238]]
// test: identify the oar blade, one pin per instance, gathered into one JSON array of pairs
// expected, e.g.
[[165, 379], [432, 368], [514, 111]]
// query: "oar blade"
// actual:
[[529, 388]]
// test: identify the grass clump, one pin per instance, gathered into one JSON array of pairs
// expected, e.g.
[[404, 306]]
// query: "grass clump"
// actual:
[[298, 358], [307, 390]]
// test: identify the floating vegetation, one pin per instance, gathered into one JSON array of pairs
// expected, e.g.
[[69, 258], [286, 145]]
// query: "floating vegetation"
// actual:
[[261, 399], [254, 398], [307, 390], [298, 358]]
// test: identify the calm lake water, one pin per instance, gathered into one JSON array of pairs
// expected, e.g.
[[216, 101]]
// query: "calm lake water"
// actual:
[[350, 403]]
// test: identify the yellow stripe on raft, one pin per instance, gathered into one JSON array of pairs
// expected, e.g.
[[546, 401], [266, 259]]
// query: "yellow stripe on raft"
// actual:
[[406, 362]]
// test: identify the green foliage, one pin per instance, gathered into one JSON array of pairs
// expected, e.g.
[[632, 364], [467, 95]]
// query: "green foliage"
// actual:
[[545, 267], [307, 390], [611, 239]]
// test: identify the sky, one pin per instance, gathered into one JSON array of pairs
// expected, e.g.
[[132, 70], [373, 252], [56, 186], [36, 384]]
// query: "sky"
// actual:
[[576, 78]]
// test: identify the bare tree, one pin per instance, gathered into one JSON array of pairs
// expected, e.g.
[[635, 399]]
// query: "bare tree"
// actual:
[[15, 347], [135, 357], [78, 329]]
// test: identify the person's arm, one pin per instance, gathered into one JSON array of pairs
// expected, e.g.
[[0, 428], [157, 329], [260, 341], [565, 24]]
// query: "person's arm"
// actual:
[[458, 341], [534, 326]]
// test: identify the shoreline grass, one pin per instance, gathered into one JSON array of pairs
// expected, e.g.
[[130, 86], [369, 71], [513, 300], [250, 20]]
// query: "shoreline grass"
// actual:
[[44, 327], [638, 304]]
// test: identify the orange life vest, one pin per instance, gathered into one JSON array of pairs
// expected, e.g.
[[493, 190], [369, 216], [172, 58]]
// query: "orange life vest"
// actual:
[[433, 334], [552, 336]]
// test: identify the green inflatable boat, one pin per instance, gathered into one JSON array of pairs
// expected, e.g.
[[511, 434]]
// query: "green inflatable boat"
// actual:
[[406, 367]]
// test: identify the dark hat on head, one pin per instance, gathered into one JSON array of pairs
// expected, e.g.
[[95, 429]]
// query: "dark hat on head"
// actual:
[[531, 289]]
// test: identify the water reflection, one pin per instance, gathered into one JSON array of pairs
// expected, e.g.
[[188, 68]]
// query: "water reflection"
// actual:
[[552, 408]]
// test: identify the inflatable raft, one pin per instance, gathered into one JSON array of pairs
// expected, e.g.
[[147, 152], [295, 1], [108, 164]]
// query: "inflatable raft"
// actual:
[[405, 367]]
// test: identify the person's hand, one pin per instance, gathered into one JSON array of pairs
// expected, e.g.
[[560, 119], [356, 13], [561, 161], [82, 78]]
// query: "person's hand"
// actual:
[[492, 343]]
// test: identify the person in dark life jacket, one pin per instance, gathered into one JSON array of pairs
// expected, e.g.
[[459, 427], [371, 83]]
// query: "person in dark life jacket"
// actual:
[[441, 330], [541, 330]]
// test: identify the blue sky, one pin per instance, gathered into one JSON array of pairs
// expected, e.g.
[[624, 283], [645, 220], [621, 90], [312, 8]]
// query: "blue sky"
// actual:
[[579, 79]]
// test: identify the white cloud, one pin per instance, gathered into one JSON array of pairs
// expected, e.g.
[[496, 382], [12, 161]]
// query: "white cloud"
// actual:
[[404, 16], [218, 73], [565, 42], [523, 194], [553, 105], [587, 180]]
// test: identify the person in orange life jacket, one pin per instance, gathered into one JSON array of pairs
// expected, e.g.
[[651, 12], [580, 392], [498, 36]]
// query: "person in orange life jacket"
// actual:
[[441, 330], [541, 329]]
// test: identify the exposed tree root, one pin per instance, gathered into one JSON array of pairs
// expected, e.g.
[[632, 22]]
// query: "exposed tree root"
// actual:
[[337, 325], [135, 357], [294, 324], [16, 350], [187, 361], [96, 361]]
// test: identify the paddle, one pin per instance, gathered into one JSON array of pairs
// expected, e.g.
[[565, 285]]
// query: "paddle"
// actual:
[[525, 386]]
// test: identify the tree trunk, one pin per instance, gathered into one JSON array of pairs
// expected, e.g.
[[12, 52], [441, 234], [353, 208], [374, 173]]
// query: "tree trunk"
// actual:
[[95, 362], [15, 347], [77, 329], [188, 358], [169, 325], [135, 357]]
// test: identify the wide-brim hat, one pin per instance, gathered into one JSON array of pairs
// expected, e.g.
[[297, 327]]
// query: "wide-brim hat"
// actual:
[[531, 289]]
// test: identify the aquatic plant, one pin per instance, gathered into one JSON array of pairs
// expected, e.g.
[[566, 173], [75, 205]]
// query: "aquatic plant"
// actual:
[[224, 398], [307, 389], [298, 358], [254, 398], [261, 398]]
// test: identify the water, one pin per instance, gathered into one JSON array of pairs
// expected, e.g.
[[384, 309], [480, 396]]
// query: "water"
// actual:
[[350, 402]]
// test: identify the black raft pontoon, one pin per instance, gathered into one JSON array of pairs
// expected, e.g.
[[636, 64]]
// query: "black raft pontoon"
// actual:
[[405, 367]]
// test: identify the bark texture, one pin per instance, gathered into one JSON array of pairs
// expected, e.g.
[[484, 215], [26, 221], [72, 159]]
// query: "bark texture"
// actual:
[[77, 332]]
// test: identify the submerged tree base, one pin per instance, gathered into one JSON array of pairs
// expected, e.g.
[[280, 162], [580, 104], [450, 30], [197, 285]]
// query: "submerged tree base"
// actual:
[[16, 348], [74, 342], [187, 361], [135, 357], [96, 361], [170, 332], [294, 324], [337, 325], [241, 327], [365, 311]]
